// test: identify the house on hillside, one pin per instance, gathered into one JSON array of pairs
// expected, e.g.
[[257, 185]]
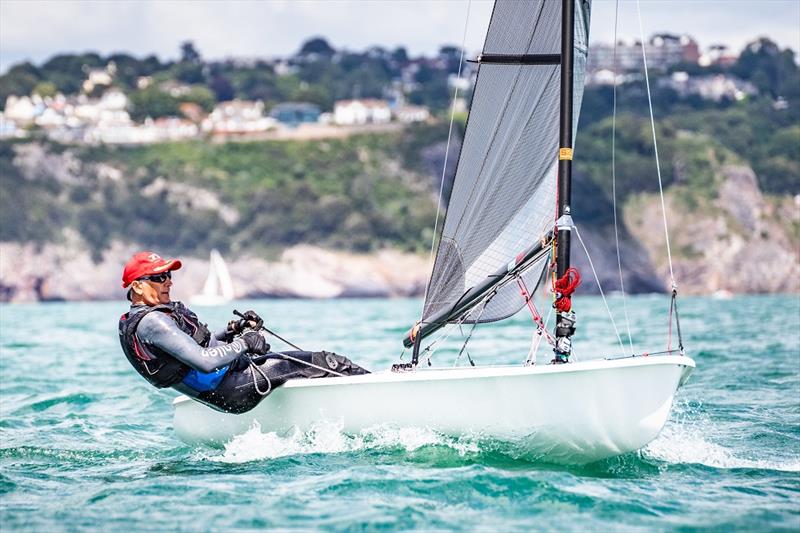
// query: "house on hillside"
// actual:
[[192, 111], [662, 49], [295, 113], [22, 109], [718, 54], [357, 112], [716, 87], [412, 113], [237, 117], [9, 129], [100, 77]]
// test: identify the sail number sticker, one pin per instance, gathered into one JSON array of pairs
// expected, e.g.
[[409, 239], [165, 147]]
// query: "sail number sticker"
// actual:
[[565, 154]]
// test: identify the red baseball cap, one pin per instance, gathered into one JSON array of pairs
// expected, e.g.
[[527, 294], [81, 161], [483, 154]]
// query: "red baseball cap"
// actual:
[[146, 263]]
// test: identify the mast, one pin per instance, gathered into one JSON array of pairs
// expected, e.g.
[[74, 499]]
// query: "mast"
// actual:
[[565, 320]]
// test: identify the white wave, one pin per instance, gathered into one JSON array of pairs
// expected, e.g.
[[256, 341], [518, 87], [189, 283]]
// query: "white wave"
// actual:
[[328, 437], [681, 444]]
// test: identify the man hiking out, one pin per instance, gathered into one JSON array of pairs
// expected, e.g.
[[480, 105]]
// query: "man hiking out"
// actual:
[[231, 370]]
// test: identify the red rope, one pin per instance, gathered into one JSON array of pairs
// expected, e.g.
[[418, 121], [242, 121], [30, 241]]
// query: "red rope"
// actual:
[[564, 287]]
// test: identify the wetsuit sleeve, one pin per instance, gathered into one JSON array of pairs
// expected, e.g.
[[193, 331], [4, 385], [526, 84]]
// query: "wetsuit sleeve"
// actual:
[[221, 335], [160, 331]]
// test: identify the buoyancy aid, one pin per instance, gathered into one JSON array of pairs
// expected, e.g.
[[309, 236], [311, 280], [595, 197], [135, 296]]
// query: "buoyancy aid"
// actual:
[[153, 364]]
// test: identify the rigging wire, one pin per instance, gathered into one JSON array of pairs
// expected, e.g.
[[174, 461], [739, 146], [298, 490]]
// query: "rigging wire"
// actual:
[[614, 181], [472, 330], [449, 136], [600, 287], [655, 146], [536, 340]]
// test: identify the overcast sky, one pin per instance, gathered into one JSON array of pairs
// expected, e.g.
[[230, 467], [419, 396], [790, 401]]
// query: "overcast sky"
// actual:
[[37, 29]]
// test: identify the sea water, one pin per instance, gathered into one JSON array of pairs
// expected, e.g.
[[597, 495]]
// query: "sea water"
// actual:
[[85, 443]]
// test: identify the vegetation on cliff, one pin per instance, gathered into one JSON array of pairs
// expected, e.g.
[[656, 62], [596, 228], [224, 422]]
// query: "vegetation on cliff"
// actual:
[[358, 193]]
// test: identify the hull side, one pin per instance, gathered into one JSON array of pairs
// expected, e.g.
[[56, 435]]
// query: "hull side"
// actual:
[[573, 413]]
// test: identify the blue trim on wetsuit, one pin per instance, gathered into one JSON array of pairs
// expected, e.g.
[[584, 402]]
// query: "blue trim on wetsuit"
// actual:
[[205, 381]]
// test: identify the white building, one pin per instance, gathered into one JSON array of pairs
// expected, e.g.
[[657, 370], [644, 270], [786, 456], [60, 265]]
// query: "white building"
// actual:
[[50, 118], [412, 113], [113, 100], [9, 129], [714, 87], [100, 77], [117, 128], [21, 109], [354, 112], [238, 117]]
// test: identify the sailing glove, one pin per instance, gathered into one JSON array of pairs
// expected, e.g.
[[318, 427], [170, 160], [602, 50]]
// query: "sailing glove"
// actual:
[[256, 344], [249, 320]]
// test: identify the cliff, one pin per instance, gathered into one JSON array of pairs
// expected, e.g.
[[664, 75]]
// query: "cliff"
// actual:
[[359, 225], [66, 271], [741, 241]]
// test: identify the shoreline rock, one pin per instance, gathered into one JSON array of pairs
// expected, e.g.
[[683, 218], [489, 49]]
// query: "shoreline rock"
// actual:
[[63, 272]]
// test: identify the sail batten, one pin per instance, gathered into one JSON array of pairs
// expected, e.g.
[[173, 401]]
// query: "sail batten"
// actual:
[[503, 197]]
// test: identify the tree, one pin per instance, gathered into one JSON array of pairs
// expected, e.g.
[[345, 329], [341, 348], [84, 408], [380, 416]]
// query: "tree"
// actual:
[[772, 71], [20, 80], [316, 46], [153, 102], [400, 55], [201, 96], [223, 90], [129, 69], [451, 56], [189, 53], [67, 71], [45, 89]]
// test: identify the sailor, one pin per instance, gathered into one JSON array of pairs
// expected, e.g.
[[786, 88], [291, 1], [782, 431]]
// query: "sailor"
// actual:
[[231, 370]]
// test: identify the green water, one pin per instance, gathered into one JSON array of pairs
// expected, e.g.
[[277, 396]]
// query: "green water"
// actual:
[[85, 443]]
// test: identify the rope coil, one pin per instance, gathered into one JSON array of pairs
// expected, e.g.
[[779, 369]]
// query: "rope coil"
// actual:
[[563, 288]]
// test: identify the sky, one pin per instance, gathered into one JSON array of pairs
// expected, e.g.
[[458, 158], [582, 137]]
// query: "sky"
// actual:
[[38, 29]]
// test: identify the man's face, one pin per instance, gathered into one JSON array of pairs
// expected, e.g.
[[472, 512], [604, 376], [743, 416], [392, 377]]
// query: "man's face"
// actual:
[[153, 292]]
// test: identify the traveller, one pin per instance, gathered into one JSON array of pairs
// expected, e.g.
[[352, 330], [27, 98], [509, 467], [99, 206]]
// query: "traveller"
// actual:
[[231, 370]]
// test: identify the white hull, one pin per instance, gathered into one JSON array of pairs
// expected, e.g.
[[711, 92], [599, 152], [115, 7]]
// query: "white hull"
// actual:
[[573, 413]]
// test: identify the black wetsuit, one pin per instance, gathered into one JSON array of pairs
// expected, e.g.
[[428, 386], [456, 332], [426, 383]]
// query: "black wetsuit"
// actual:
[[207, 367]]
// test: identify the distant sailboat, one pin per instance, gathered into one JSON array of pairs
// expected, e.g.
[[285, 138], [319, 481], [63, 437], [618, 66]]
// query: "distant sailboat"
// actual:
[[218, 288]]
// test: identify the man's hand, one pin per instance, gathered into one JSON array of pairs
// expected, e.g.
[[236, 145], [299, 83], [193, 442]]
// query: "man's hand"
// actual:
[[248, 320], [256, 344]]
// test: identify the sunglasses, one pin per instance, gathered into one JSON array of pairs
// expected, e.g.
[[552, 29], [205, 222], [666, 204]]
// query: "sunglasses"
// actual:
[[157, 278]]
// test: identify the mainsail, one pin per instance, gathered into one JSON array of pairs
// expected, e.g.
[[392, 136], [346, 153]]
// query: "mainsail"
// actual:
[[504, 194]]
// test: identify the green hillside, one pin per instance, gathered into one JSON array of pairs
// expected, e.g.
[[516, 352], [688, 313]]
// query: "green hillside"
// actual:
[[360, 193]]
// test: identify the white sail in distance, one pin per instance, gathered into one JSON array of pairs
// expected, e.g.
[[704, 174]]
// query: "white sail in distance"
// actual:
[[218, 287]]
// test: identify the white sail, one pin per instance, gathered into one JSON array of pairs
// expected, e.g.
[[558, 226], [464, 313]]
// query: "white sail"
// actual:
[[218, 287]]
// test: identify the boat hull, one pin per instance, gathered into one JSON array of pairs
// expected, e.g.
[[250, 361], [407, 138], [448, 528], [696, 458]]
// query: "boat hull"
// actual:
[[574, 413]]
